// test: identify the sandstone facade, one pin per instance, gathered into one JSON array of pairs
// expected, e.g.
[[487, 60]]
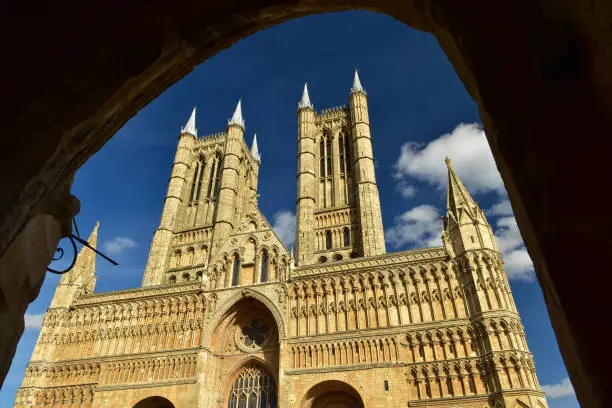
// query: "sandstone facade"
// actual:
[[228, 317]]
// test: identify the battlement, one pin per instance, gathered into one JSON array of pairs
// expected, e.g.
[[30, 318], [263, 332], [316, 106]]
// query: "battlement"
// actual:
[[335, 111], [211, 137]]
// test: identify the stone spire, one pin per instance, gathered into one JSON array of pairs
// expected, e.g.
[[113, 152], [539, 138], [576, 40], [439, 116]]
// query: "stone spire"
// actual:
[[357, 84], [190, 127], [305, 102], [237, 118], [465, 225], [81, 278], [457, 198], [255, 149]]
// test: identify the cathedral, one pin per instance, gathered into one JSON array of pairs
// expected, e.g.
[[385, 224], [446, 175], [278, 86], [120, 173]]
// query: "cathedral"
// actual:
[[228, 317]]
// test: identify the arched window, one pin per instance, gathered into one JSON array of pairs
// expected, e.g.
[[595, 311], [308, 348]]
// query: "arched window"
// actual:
[[264, 266], [347, 237], [172, 279], [200, 176], [199, 275], [235, 270], [194, 183], [211, 178], [185, 277], [253, 388], [328, 239], [177, 258]]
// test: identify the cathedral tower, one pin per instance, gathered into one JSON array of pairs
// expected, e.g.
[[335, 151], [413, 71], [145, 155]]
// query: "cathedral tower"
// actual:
[[338, 207], [213, 183]]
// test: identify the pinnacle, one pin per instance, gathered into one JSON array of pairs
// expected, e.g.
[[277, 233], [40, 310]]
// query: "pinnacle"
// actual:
[[305, 102], [255, 149], [237, 117], [190, 127], [457, 194], [357, 87]]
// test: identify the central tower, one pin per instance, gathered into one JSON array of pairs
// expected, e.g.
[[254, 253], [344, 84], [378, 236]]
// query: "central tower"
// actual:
[[338, 208]]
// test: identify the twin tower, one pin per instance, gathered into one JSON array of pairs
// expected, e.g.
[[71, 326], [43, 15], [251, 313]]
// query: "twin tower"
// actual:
[[213, 190]]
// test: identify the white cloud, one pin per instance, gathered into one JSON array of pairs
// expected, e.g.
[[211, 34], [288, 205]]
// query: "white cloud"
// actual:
[[563, 389], [405, 189], [510, 243], [471, 157], [420, 226], [501, 208], [284, 226], [33, 321], [118, 244]]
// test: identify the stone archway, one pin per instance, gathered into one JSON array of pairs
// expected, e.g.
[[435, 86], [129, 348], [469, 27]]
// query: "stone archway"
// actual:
[[332, 394], [539, 71], [154, 402]]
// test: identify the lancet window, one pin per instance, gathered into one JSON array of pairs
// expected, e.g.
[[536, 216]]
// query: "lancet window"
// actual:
[[235, 270], [264, 266]]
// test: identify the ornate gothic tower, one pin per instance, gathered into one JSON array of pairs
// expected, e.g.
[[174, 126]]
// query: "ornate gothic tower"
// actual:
[[212, 187], [338, 208]]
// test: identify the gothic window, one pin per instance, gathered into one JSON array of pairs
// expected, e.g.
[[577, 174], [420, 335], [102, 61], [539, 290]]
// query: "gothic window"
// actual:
[[329, 166], [322, 168], [194, 183], [200, 176], [235, 271], [211, 179], [264, 266], [218, 179], [347, 237], [328, 239], [253, 388], [177, 258], [347, 153]]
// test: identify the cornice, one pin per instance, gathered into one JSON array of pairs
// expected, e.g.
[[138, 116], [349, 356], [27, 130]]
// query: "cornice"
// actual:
[[138, 293], [118, 357], [386, 260], [366, 333]]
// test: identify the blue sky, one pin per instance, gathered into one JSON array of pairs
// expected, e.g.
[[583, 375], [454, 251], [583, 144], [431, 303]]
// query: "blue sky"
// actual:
[[419, 111]]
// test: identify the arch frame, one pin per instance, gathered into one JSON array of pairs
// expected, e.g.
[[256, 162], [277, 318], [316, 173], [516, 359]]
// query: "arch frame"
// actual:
[[242, 294], [319, 389]]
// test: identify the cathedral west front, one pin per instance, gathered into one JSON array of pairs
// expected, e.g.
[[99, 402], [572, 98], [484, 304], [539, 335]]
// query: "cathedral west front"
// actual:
[[228, 317]]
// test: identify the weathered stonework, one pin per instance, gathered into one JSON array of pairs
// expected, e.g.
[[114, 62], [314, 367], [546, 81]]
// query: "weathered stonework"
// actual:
[[224, 311]]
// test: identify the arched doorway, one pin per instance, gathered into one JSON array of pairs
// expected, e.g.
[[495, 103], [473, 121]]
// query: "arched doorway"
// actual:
[[154, 402], [253, 387], [246, 338], [332, 394]]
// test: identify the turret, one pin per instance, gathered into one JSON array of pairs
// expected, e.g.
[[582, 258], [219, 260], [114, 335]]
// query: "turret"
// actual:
[[228, 194], [367, 198], [465, 225], [306, 181], [81, 278], [174, 197]]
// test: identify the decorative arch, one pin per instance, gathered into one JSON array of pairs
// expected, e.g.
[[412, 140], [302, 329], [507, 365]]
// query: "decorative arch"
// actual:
[[332, 391], [154, 402], [226, 306]]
